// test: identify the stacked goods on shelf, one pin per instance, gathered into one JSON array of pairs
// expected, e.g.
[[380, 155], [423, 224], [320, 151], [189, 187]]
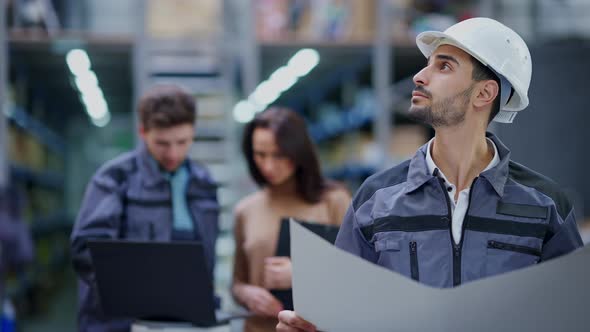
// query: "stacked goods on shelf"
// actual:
[[272, 22], [336, 20], [37, 170], [351, 20], [348, 150], [184, 18]]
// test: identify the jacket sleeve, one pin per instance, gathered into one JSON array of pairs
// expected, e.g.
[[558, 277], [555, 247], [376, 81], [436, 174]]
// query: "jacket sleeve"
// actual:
[[350, 238], [99, 217], [562, 237]]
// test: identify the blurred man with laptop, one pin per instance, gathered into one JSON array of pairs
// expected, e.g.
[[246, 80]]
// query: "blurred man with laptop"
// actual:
[[154, 193]]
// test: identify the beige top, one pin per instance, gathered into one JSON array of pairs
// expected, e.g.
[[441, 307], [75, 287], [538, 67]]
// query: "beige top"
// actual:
[[257, 228]]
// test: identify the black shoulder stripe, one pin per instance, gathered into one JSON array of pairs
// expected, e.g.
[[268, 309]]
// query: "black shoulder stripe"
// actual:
[[530, 178], [384, 179], [105, 188], [115, 173], [149, 203], [522, 210]]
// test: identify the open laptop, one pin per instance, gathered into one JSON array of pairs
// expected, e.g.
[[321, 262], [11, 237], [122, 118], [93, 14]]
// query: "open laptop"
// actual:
[[327, 232], [159, 281]]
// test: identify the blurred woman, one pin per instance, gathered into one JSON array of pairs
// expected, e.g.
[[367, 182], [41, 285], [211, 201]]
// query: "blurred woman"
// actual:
[[282, 161]]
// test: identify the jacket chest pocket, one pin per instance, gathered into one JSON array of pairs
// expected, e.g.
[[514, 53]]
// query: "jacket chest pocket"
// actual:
[[504, 256], [144, 222], [389, 252], [146, 214], [399, 255], [204, 208], [205, 213]]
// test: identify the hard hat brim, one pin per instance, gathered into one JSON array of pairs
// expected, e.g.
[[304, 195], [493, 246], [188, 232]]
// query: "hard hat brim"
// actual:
[[429, 41]]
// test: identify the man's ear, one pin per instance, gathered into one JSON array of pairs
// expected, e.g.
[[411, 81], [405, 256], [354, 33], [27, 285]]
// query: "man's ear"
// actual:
[[141, 131], [486, 93]]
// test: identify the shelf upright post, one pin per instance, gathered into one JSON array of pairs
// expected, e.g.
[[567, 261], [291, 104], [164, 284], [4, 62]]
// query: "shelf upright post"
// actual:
[[382, 69], [3, 77], [250, 54], [140, 76]]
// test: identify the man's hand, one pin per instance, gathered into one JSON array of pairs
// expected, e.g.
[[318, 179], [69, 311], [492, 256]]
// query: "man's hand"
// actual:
[[290, 322], [277, 273], [261, 302]]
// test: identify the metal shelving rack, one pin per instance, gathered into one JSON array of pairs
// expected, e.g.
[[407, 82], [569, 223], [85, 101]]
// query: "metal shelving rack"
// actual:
[[50, 229], [3, 75], [205, 67]]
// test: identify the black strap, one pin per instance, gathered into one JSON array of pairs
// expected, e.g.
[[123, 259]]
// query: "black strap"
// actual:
[[508, 227], [123, 226], [405, 224]]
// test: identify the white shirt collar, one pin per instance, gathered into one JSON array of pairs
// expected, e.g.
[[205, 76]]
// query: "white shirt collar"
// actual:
[[432, 166]]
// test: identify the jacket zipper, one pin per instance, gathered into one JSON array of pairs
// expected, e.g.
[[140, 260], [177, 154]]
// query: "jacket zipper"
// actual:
[[456, 253], [152, 232], [414, 261], [514, 247], [465, 221], [457, 248], [196, 230]]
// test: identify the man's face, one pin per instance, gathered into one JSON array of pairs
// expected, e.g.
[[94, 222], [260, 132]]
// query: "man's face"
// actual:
[[169, 146], [443, 88]]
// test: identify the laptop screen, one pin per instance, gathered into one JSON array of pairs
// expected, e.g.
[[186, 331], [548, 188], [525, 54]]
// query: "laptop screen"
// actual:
[[154, 280]]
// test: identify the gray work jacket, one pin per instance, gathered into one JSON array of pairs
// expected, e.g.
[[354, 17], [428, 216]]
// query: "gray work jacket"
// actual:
[[129, 198], [401, 219]]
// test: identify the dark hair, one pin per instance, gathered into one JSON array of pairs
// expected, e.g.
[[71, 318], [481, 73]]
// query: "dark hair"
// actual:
[[482, 73], [294, 142], [166, 106]]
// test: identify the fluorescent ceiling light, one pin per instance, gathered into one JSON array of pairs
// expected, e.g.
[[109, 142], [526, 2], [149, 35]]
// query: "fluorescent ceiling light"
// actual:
[[283, 78], [87, 82], [97, 111], [265, 93], [93, 97], [244, 111], [78, 61], [304, 61], [103, 121]]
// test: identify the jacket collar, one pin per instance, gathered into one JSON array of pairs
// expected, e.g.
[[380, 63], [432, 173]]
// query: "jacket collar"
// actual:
[[418, 173], [149, 170], [151, 173], [497, 176]]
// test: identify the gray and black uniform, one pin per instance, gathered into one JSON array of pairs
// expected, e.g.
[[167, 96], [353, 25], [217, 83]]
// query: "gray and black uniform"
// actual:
[[401, 219], [130, 198]]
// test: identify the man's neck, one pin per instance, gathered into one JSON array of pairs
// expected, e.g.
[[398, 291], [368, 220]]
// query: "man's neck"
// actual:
[[461, 152]]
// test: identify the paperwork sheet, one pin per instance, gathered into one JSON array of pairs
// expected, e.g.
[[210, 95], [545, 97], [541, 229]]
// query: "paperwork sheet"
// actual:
[[338, 291]]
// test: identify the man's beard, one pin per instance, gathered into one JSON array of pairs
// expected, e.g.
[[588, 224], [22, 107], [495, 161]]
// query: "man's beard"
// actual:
[[445, 113]]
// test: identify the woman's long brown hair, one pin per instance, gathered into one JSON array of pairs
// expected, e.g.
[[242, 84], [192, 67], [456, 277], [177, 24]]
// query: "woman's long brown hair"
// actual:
[[294, 142]]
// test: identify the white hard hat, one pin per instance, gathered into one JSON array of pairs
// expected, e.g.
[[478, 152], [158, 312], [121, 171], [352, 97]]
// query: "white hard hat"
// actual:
[[497, 47]]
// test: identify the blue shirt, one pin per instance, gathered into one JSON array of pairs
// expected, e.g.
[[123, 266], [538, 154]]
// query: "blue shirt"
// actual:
[[182, 220]]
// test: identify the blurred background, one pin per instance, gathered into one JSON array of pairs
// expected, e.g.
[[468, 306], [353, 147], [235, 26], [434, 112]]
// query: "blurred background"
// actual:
[[71, 72]]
